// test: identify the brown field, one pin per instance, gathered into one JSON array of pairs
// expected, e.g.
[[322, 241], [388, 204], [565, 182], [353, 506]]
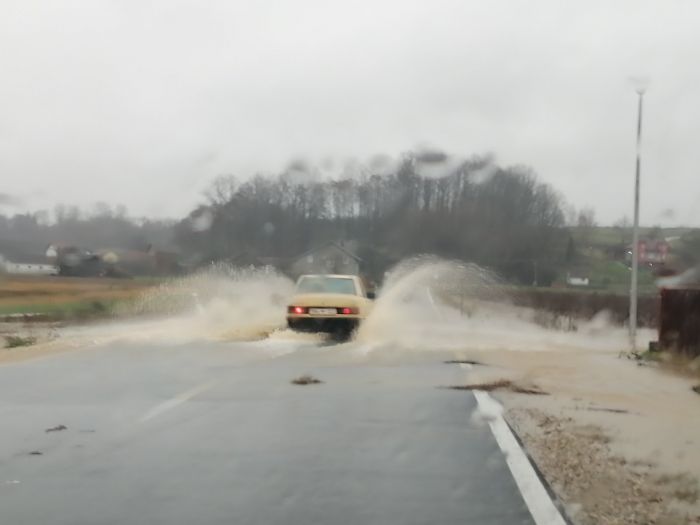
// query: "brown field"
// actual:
[[51, 294]]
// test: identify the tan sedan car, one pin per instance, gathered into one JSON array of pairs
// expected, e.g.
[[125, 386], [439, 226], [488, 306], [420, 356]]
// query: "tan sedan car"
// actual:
[[334, 304]]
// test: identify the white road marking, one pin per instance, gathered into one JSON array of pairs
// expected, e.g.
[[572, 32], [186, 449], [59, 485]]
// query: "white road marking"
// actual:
[[541, 506], [175, 401], [536, 497]]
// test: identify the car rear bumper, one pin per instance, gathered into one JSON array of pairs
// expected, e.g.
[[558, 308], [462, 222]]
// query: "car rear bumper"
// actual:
[[323, 324]]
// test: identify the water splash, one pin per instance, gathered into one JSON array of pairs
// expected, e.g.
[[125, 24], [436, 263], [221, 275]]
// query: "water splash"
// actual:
[[419, 294], [433, 304], [426, 304], [221, 302]]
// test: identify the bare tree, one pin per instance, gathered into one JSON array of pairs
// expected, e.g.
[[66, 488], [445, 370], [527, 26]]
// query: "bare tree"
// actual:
[[506, 219]]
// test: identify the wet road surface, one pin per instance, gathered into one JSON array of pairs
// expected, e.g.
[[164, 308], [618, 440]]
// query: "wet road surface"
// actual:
[[215, 433]]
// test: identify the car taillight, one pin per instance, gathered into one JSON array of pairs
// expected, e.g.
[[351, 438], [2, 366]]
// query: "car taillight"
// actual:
[[347, 311], [296, 310]]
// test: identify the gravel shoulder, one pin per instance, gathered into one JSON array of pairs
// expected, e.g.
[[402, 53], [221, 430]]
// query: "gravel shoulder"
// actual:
[[617, 441]]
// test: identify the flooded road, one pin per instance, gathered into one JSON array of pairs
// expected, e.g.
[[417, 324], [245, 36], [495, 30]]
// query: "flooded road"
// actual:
[[215, 432]]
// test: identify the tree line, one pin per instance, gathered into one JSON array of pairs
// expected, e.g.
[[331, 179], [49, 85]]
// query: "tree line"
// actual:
[[472, 210], [103, 227], [423, 203]]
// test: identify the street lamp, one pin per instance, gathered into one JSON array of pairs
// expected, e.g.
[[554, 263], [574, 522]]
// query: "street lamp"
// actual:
[[635, 229]]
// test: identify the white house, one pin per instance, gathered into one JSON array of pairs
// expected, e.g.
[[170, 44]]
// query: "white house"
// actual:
[[577, 281], [28, 266]]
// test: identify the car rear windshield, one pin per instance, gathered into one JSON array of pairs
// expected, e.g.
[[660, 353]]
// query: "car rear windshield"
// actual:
[[326, 285]]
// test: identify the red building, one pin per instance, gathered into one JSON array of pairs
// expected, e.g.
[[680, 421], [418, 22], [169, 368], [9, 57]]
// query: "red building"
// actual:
[[651, 251]]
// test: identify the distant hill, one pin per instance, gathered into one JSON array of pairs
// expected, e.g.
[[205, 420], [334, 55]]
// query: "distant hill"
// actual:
[[601, 254], [602, 236]]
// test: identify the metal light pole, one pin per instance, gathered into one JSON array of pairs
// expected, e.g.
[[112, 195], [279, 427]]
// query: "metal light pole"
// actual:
[[635, 230]]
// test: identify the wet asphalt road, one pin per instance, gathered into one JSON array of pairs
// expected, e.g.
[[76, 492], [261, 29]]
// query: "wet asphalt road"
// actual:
[[214, 433]]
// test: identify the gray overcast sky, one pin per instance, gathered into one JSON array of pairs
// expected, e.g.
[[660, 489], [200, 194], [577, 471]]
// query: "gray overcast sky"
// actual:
[[144, 102]]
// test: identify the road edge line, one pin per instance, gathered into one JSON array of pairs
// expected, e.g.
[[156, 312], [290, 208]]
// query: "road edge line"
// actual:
[[536, 496]]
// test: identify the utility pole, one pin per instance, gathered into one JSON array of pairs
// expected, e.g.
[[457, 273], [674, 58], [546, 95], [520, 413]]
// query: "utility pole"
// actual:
[[635, 230]]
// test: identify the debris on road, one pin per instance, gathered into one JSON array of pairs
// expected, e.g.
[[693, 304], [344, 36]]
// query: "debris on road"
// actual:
[[463, 362], [613, 410], [306, 380], [36, 453], [502, 384], [696, 389], [58, 428]]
